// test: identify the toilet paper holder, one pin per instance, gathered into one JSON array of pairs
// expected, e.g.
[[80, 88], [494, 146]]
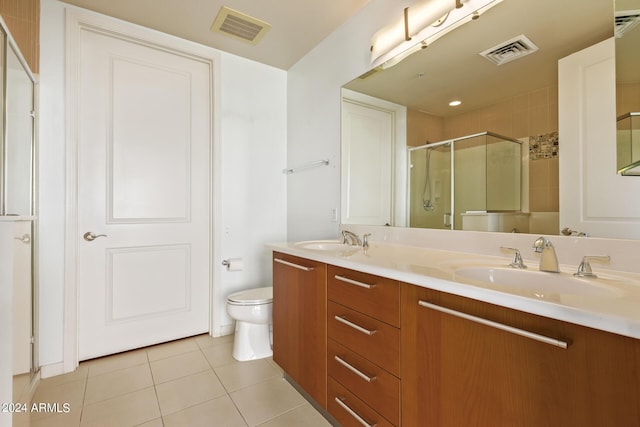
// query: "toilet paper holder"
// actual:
[[233, 264]]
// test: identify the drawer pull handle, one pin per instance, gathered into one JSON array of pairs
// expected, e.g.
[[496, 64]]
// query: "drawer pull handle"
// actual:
[[354, 326], [354, 414], [354, 282], [353, 369], [502, 327], [290, 264]]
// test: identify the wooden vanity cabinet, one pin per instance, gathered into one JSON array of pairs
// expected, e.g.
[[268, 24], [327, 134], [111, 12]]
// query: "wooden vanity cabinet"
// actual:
[[456, 372], [299, 322], [363, 358]]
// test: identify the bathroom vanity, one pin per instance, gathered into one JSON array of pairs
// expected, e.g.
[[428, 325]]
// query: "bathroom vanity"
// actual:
[[405, 335]]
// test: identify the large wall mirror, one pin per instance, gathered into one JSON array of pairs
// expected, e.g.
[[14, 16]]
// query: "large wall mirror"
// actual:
[[17, 206], [514, 96], [627, 32]]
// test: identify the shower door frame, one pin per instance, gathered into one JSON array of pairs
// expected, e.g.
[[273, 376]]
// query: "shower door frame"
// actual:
[[451, 143]]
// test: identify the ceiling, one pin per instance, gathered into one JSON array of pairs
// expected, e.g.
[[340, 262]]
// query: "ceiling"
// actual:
[[297, 25], [451, 68]]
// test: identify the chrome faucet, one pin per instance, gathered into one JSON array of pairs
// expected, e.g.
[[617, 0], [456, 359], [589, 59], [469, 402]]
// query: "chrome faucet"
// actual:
[[584, 269], [517, 259], [349, 238], [365, 241], [548, 257]]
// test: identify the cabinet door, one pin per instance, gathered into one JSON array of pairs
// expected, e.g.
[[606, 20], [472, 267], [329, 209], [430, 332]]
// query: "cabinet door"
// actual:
[[471, 374], [299, 322], [458, 372]]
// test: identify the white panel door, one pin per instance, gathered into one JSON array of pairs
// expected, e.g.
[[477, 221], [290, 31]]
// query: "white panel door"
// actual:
[[143, 188], [593, 198], [367, 164]]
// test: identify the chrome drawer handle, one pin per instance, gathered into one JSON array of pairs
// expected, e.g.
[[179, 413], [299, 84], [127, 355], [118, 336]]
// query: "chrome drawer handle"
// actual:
[[354, 414], [354, 282], [353, 369], [354, 326], [502, 327], [290, 264]]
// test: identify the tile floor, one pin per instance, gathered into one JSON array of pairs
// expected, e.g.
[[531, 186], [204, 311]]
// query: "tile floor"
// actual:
[[187, 383]]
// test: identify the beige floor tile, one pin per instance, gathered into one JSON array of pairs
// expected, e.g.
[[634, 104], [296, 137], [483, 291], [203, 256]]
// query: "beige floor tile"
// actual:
[[20, 419], [304, 415], [72, 419], [217, 412], [173, 348], [187, 391], [71, 393], [266, 400], [80, 373], [21, 385], [179, 366], [116, 362], [276, 365], [243, 374], [125, 410], [205, 341], [153, 423], [118, 382], [219, 355]]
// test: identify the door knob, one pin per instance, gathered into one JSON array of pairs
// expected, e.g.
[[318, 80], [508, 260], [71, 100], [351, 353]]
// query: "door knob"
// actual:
[[25, 238], [90, 237]]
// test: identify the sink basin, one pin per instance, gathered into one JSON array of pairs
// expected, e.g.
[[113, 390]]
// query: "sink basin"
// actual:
[[326, 246], [537, 283]]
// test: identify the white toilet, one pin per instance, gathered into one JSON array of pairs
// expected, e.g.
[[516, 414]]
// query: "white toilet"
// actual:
[[252, 310]]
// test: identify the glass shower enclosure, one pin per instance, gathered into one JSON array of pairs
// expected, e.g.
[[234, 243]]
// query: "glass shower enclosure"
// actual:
[[476, 173]]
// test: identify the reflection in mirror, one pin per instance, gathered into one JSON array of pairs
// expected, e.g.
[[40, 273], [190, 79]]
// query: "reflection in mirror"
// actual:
[[517, 99], [19, 138], [627, 32], [17, 196], [480, 184]]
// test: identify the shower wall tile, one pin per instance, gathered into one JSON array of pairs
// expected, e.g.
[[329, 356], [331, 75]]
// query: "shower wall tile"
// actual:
[[627, 98], [530, 113], [423, 127], [23, 19]]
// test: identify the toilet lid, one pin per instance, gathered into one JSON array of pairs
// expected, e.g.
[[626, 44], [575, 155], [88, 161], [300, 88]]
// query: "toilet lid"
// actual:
[[252, 296]]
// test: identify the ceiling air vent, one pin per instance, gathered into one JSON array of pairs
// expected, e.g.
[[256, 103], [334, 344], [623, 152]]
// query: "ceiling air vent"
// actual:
[[625, 21], [510, 50], [239, 26]]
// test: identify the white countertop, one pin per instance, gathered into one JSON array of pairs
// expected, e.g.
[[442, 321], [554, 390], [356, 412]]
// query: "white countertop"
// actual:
[[617, 311]]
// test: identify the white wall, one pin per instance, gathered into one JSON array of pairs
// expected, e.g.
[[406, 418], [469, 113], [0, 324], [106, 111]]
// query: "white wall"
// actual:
[[254, 138], [313, 118], [249, 187]]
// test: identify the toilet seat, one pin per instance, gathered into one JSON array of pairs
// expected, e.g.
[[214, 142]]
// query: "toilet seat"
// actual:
[[256, 296]]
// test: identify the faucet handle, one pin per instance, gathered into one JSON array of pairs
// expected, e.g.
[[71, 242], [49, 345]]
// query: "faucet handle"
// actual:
[[517, 259], [365, 240], [584, 269], [541, 243]]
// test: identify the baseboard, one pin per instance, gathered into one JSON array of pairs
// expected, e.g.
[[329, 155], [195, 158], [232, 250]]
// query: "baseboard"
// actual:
[[52, 370], [225, 330]]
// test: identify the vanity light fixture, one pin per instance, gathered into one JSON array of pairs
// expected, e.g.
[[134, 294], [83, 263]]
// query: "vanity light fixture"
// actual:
[[455, 103], [420, 25]]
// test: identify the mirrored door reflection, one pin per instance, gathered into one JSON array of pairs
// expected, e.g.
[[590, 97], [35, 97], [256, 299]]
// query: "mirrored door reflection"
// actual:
[[19, 134]]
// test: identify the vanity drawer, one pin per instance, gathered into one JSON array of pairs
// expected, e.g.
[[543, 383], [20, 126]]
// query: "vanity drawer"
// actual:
[[372, 295], [374, 340], [372, 384], [350, 411]]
